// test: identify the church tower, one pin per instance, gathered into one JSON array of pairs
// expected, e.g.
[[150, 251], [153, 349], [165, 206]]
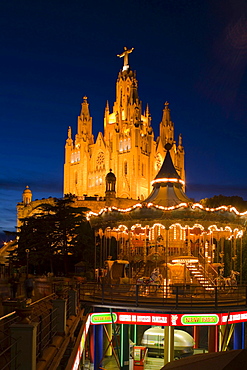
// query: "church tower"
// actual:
[[127, 145]]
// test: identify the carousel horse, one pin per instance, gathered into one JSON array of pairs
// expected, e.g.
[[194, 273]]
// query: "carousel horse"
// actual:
[[229, 281], [154, 279], [232, 280], [220, 281]]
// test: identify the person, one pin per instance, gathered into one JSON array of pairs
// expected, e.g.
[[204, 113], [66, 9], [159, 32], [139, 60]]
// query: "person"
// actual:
[[13, 285], [29, 285]]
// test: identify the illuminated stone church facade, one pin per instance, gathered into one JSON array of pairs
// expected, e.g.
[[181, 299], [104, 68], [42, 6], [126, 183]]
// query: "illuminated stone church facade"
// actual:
[[126, 148], [127, 145]]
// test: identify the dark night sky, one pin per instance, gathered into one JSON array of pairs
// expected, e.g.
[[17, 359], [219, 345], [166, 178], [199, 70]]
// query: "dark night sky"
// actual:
[[192, 53]]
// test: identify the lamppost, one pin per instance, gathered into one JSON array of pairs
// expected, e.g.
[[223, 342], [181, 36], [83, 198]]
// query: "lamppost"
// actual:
[[27, 252]]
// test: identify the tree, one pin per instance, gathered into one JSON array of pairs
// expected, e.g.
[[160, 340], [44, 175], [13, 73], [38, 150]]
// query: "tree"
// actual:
[[222, 200], [57, 235], [241, 206]]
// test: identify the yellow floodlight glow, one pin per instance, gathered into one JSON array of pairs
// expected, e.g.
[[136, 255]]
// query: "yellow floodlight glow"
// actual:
[[167, 179], [185, 260], [171, 208]]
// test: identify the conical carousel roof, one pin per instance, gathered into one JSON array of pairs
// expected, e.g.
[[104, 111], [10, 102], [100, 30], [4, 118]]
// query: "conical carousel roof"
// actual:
[[168, 204], [167, 185]]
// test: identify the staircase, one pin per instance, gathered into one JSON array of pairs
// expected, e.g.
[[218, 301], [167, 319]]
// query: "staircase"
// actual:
[[198, 273]]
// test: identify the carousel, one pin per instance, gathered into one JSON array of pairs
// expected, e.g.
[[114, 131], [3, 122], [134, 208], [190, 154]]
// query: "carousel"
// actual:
[[170, 236]]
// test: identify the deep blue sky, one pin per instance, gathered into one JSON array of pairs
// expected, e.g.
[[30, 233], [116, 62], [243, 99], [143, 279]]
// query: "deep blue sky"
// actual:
[[192, 53]]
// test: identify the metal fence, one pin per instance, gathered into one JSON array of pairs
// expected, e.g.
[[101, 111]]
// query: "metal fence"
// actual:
[[161, 296], [46, 330], [7, 344], [43, 313]]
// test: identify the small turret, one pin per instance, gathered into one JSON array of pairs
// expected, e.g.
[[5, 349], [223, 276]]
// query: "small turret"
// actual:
[[27, 196], [110, 185]]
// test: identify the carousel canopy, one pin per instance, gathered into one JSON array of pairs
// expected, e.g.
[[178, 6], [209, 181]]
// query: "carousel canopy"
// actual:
[[167, 205], [167, 185]]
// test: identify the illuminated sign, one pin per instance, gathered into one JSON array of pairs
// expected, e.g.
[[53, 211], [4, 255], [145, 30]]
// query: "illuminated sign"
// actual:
[[173, 319], [153, 319], [141, 318], [103, 318], [233, 317], [205, 319]]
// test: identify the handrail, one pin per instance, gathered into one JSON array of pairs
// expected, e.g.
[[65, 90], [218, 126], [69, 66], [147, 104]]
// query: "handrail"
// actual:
[[31, 304], [146, 295], [8, 315], [206, 274], [42, 299]]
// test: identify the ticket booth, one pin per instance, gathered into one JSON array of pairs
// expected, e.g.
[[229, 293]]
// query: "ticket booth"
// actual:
[[140, 357]]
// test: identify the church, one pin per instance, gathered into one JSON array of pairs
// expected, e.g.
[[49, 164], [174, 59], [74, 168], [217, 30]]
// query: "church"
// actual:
[[127, 145], [126, 150]]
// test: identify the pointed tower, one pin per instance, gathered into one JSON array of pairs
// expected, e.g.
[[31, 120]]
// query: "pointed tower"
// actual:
[[129, 136], [77, 153], [84, 125], [167, 126], [180, 158], [106, 116], [127, 107], [167, 185]]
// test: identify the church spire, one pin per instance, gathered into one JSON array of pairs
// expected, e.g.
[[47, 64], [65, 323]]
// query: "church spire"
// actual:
[[148, 115], [106, 116], [167, 126], [147, 111], [85, 121], [127, 106], [180, 141], [85, 109]]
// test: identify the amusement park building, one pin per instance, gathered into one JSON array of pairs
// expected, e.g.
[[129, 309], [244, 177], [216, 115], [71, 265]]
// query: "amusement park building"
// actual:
[[167, 228]]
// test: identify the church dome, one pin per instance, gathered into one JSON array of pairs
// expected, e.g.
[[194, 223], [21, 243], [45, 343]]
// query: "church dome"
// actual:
[[110, 176], [110, 181], [27, 196], [27, 190]]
